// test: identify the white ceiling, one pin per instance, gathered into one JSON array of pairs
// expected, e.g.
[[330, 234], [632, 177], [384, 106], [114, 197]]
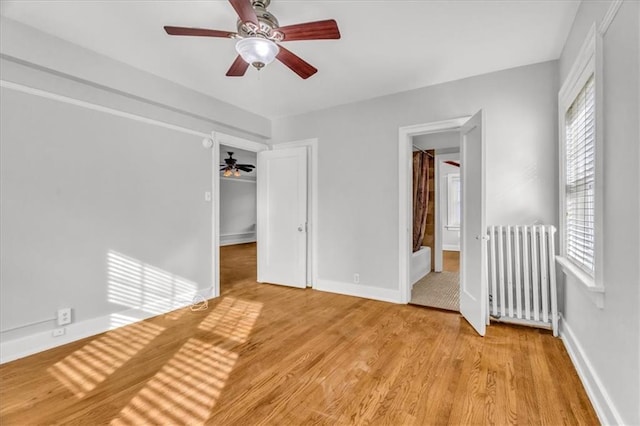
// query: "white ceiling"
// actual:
[[386, 46]]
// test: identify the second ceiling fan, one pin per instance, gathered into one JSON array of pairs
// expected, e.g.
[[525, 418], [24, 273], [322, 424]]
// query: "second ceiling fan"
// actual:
[[259, 36], [231, 166]]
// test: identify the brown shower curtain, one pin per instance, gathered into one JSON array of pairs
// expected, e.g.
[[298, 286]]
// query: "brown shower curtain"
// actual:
[[420, 197]]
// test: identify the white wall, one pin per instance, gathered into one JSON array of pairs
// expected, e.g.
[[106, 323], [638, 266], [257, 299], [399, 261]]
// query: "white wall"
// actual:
[[237, 211], [88, 190], [358, 164], [606, 342], [78, 187]]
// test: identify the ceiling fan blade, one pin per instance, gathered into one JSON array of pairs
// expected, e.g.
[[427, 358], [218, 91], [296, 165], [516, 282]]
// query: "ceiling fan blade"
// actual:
[[318, 30], [245, 11], [238, 68], [198, 32], [245, 169], [296, 63], [453, 163], [247, 165]]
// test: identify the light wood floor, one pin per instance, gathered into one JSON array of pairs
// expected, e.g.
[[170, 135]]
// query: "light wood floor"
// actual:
[[450, 261], [265, 354]]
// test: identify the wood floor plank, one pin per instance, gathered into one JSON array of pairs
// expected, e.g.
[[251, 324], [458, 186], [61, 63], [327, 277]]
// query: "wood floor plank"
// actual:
[[266, 354]]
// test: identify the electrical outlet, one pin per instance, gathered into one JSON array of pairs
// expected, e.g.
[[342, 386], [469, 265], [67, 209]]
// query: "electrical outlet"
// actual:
[[64, 316], [58, 332], [356, 278]]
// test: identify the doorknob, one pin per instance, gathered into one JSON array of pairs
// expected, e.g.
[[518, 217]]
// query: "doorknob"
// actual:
[[300, 228]]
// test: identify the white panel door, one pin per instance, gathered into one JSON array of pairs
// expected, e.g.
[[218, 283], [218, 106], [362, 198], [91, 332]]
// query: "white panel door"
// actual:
[[282, 216], [473, 249]]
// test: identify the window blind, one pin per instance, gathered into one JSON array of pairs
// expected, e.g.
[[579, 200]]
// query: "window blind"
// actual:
[[580, 145]]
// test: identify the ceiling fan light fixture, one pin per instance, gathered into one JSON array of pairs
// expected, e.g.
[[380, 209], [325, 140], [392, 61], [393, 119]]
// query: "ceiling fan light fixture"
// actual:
[[227, 173], [236, 173], [257, 51]]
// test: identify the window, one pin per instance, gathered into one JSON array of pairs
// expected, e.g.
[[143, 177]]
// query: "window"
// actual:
[[580, 117], [580, 147], [453, 200]]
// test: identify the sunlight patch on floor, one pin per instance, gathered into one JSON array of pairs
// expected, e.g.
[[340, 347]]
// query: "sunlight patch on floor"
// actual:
[[232, 319], [90, 365], [185, 390]]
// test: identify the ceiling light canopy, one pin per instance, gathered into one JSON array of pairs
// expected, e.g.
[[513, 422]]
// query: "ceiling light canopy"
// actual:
[[257, 51]]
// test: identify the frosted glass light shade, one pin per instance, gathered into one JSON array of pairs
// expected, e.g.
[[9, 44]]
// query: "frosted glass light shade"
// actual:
[[257, 51]]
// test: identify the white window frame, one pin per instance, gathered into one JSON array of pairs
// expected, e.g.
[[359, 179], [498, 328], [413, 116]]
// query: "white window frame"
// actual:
[[453, 185], [588, 63]]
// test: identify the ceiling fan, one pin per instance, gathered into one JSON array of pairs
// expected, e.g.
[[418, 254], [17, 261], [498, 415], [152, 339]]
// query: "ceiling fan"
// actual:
[[231, 166], [259, 35]]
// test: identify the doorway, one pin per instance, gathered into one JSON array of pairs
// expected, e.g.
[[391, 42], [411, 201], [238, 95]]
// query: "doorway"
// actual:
[[237, 198], [435, 261], [265, 185], [473, 279], [233, 235]]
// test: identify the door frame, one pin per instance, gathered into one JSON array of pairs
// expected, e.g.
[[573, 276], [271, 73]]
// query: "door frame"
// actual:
[[405, 213], [236, 142]]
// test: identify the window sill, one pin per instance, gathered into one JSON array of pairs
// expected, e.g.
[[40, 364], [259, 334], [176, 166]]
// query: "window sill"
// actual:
[[595, 292]]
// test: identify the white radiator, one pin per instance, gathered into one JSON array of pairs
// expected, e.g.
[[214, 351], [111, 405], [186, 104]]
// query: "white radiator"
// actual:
[[522, 275]]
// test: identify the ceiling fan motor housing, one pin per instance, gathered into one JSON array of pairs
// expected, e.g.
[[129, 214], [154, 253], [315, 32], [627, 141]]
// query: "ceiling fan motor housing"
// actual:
[[268, 23]]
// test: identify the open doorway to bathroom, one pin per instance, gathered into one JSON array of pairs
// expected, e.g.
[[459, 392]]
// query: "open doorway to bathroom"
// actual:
[[435, 261]]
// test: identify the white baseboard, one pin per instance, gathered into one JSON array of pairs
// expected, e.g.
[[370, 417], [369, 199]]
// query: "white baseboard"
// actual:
[[19, 348], [230, 239], [598, 395], [451, 247], [358, 290]]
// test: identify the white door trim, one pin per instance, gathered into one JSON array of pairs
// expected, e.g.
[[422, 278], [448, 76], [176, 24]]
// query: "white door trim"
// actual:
[[405, 217], [312, 192], [236, 142]]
